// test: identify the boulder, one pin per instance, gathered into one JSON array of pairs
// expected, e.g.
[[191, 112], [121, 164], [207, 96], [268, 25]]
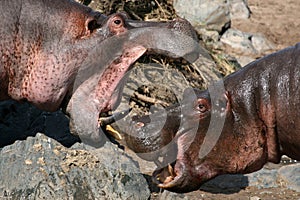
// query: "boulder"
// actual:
[[212, 14], [290, 176], [247, 43], [239, 9], [41, 168]]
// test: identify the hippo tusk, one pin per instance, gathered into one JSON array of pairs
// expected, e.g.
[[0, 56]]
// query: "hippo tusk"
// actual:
[[103, 121]]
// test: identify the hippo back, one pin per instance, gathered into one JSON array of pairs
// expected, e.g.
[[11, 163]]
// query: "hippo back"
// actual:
[[268, 91]]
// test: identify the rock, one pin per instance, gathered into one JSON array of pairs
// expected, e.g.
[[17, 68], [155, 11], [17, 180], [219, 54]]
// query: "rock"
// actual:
[[263, 178], [209, 36], [246, 43], [212, 14], [239, 9], [261, 43], [290, 176], [172, 196], [255, 198], [239, 41], [286, 176], [41, 168], [244, 60]]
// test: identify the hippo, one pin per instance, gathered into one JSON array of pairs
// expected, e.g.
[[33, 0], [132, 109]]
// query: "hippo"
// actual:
[[257, 110], [61, 54]]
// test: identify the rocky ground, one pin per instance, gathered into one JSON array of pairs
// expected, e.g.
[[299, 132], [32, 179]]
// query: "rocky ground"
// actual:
[[277, 20], [40, 167]]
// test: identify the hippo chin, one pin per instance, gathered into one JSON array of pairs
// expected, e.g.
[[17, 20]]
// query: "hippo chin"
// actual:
[[259, 113], [60, 52]]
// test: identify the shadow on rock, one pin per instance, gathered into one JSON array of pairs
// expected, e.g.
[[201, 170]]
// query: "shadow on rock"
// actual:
[[20, 120]]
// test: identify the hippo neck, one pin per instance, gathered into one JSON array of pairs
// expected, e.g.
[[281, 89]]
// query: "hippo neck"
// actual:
[[258, 93]]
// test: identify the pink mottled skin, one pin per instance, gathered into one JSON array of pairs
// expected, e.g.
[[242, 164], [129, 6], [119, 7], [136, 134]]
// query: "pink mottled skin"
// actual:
[[37, 57], [61, 51]]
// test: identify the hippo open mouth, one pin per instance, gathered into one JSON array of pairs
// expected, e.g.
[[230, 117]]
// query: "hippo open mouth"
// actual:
[[66, 55], [99, 82], [177, 140]]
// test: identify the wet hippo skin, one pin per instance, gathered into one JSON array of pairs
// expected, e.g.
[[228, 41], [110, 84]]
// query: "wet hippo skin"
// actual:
[[260, 108], [56, 52]]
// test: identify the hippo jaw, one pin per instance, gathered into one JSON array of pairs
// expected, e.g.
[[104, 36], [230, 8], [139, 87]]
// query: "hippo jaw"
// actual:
[[187, 172], [96, 82], [181, 177]]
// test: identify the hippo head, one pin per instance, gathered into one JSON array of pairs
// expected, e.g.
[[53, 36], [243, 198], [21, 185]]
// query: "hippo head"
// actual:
[[66, 55], [201, 142], [97, 87]]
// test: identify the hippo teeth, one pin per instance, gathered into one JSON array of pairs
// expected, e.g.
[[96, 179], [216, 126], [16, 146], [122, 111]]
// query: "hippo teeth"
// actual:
[[114, 133], [171, 170], [104, 123], [165, 175]]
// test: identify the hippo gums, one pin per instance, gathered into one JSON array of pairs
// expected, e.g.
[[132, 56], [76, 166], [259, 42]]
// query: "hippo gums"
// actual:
[[59, 52], [260, 106]]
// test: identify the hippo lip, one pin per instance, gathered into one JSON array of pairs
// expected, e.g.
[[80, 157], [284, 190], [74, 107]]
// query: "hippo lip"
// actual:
[[181, 175]]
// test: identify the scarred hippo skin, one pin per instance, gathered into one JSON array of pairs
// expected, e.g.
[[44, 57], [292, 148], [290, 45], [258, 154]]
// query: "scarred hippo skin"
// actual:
[[261, 108], [46, 44]]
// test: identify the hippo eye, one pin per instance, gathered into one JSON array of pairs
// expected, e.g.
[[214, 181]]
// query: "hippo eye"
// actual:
[[202, 108], [117, 21]]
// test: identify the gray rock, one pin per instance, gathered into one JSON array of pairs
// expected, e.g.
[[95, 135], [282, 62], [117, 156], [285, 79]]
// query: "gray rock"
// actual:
[[209, 36], [261, 43], [286, 176], [263, 178], [41, 168], [255, 198], [212, 14], [239, 41], [290, 176], [244, 60], [239, 9], [246, 43], [172, 196]]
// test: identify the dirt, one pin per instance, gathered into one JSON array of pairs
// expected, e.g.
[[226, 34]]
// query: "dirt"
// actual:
[[278, 20], [248, 193]]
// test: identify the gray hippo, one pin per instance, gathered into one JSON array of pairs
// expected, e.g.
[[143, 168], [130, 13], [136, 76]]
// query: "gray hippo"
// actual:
[[258, 114], [59, 52]]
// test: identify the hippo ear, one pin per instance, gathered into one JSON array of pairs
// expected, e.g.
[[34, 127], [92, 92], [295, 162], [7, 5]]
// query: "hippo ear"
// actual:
[[90, 25], [224, 102]]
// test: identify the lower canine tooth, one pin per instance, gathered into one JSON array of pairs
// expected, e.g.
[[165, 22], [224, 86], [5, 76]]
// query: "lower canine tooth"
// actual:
[[113, 132], [170, 169]]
